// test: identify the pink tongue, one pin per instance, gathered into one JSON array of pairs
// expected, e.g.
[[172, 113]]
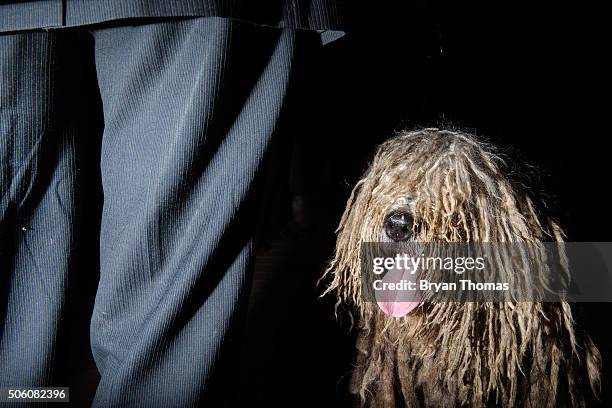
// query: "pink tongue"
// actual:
[[385, 299], [397, 309]]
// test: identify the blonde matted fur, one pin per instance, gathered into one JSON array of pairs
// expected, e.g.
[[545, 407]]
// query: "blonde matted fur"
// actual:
[[456, 354]]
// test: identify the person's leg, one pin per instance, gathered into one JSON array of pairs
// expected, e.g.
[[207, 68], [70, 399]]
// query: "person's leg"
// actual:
[[41, 109], [192, 108]]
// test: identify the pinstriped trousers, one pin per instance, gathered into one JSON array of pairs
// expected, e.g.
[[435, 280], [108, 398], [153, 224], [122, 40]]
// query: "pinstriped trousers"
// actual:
[[191, 112]]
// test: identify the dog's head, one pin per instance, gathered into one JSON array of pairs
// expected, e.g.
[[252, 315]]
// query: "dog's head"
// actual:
[[432, 186]]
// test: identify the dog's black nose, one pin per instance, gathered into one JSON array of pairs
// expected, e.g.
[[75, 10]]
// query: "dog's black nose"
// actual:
[[398, 225]]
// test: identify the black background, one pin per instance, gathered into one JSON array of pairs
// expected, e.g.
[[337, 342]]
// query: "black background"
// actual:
[[530, 76]]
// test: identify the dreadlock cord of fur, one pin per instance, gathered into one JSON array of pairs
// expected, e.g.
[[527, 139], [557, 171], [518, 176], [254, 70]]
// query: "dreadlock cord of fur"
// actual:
[[450, 354]]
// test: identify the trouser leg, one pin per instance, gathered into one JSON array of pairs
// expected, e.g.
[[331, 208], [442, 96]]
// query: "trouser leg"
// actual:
[[41, 115], [191, 109]]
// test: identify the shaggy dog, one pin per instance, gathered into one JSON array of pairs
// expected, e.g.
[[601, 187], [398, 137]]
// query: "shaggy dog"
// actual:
[[442, 186]]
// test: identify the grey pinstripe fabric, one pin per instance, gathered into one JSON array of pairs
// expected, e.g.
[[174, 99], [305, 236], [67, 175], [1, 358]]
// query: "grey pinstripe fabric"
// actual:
[[304, 14], [191, 109], [28, 140], [39, 130]]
